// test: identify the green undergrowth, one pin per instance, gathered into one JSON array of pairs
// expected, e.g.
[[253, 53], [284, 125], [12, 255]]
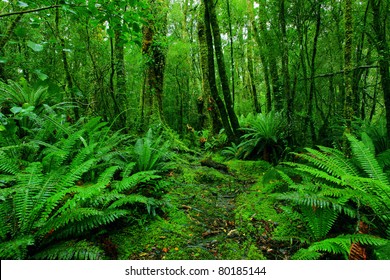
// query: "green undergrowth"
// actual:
[[198, 220]]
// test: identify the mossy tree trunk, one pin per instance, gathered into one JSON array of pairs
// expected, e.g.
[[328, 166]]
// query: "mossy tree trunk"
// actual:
[[154, 51]]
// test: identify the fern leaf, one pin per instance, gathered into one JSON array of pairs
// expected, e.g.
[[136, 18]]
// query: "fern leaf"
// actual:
[[16, 249], [306, 254], [71, 250], [8, 165], [75, 173], [367, 160], [319, 220], [132, 199], [127, 184], [80, 221]]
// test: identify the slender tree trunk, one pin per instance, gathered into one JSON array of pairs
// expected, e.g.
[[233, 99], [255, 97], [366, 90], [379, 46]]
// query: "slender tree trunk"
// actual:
[[383, 51], [210, 12], [4, 39], [263, 59], [231, 50], [310, 116], [207, 96], [349, 98], [68, 77], [286, 72], [211, 75], [252, 85]]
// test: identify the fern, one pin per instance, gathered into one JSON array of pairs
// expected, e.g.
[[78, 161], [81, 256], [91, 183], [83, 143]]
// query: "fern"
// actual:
[[129, 183], [71, 250], [339, 245], [150, 203], [149, 152], [77, 222], [16, 249], [8, 165]]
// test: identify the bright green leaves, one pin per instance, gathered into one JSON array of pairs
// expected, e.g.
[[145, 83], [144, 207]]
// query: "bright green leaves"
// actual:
[[34, 46]]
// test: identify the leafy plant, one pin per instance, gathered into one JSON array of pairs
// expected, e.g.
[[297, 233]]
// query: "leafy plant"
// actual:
[[329, 184], [151, 153], [79, 182], [263, 136]]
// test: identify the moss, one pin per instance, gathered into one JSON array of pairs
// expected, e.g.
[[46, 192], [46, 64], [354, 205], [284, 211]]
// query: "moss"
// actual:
[[249, 169]]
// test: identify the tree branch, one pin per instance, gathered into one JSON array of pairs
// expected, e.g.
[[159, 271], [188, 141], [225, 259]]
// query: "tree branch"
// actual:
[[325, 75], [29, 11]]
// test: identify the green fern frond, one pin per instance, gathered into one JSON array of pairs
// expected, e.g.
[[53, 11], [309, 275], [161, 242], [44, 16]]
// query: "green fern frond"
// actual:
[[338, 245], [132, 199], [316, 173], [80, 221], [319, 220], [107, 176], [16, 249], [71, 250], [367, 160], [75, 173], [127, 184], [8, 165], [306, 254], [128, 169]]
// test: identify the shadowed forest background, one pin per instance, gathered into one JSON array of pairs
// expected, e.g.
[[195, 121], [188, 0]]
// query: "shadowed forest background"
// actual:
[[188, 129]]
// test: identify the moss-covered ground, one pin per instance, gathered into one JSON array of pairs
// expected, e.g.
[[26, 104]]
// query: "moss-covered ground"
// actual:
[[209, 214]]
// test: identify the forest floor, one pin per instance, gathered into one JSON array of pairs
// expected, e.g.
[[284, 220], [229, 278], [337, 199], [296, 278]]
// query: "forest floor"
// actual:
[[210, 214]]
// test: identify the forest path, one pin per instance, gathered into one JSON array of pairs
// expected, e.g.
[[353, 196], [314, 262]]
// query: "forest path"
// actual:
[[209, 214]]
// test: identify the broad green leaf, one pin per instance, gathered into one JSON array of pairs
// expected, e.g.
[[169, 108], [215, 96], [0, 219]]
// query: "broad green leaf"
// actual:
[[41, 76], [16, 110], [34, 46], [22, 4]]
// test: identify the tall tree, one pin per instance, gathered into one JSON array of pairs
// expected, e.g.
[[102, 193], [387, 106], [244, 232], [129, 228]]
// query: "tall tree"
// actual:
[[210, 12], [154, 50], [349, 98], [380, 10], [211, 78]]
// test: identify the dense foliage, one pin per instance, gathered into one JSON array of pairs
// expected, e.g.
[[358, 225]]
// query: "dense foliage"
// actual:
[[119, 118]]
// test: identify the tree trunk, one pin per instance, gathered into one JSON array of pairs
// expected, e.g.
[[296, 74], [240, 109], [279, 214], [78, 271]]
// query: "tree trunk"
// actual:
[[310, 116], [232, 117], [207, 96], [383, 52], [209, 53], [68, 78], [285, 70], [263, 58], [4, 39], [252, 85], [231, 50], [349, 98], [154, 52]]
